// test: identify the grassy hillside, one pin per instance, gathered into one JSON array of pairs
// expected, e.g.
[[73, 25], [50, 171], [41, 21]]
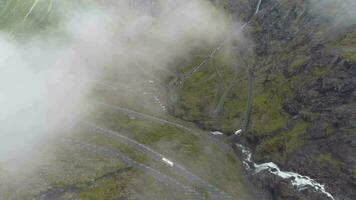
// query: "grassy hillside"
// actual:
[[303, 93]]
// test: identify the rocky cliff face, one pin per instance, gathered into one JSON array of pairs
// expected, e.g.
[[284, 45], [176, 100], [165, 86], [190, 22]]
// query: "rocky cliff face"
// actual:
[[303, 117]]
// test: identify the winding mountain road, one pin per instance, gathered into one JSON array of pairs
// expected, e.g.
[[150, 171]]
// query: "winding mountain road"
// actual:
[[159, 158], [146, 169], [232, 83], [202, 134]]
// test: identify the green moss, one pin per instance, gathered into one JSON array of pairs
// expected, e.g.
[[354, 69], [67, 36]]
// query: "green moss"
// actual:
[[319, 72], [200, 91], [351, 56], [293, 137], [279, 146], [348, 41], [195, 97], [298, 61], [308, 115], [328, 161], [353, 174], [108, 188], [329, 129], [107, 184], [272, 149], [232, 114], [266, 113], [148, 132], [344, 46], [103, 141], [294, 81], [268, 100]]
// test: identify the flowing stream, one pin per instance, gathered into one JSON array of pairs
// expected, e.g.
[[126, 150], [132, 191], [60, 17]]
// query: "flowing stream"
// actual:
[[300, 181]]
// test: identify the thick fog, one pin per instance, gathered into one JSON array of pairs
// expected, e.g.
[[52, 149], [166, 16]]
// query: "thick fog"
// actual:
[[340, 13], [45, 79]]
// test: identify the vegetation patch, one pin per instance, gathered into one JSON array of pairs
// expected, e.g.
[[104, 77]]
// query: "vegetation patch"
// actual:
[[297, 62], [107, 188], [328, 161], [201, 91], [267, 116], [350, 56], [278, 147], [329, 129]]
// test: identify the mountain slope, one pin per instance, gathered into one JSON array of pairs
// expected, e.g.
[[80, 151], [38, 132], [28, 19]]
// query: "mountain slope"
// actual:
[[303, 109]]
